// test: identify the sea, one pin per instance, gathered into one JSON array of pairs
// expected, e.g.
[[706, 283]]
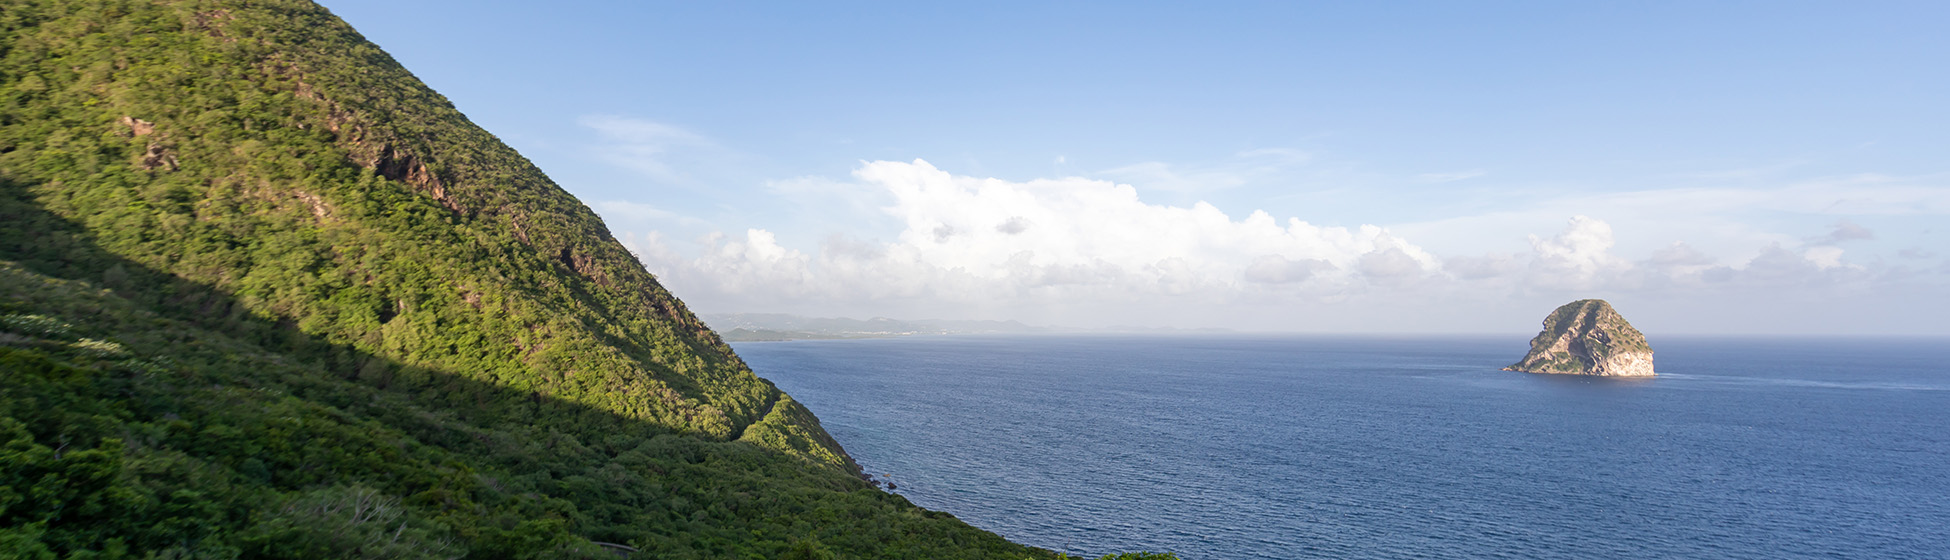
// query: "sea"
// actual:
[[1248, 447]]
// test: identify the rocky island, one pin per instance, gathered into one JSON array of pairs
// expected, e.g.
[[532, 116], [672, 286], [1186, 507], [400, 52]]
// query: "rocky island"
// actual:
[[1588, 337]]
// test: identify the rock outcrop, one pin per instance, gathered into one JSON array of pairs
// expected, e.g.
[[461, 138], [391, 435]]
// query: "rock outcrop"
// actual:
[[1588, 337]]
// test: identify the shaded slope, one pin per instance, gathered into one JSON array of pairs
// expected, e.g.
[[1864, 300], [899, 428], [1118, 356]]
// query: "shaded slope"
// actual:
[[126, 429], [295, 278]]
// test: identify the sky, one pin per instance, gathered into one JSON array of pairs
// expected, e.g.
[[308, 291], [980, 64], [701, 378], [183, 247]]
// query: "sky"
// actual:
[[1401, 167]]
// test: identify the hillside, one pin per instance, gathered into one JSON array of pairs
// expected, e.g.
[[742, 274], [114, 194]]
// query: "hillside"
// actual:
[[264, 294]]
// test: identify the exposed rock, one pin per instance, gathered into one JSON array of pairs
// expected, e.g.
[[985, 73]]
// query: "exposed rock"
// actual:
[[1588, 337], [138, 127], [157, 156]]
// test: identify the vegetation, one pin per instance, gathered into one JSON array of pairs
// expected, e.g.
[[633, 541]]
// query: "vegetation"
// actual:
[[1580, 335], [265, 295]]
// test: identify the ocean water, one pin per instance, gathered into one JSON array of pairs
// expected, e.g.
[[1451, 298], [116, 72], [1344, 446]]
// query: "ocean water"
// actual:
[[1348, 447]]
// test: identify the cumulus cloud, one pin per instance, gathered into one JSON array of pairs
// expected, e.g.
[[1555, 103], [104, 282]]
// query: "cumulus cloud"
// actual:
[[971, 239], [953, 245], [1392, 267], [1578, 258]]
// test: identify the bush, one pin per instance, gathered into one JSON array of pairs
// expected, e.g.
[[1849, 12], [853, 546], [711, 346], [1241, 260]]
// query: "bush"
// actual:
[[40, 326]]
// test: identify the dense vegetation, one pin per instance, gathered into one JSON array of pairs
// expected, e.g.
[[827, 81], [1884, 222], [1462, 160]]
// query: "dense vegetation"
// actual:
[[265, 295]]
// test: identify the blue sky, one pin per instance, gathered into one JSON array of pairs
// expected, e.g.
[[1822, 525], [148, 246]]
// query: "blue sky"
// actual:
[[1732, 167]]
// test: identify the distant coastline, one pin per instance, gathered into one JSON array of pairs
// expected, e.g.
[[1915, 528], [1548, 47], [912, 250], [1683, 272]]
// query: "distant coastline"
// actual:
[[769, 335]]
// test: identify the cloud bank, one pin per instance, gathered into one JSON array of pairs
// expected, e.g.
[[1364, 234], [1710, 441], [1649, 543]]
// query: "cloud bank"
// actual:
[[975, 240], [1052, 249]]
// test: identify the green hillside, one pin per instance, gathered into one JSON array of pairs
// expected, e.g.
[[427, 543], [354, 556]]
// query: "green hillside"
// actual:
[[263, 294]]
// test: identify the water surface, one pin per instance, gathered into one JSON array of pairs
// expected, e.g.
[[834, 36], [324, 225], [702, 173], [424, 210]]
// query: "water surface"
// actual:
[[1348, 447]]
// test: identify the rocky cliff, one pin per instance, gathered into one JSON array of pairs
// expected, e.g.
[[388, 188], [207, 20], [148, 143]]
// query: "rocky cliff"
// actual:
[[1588, 337]]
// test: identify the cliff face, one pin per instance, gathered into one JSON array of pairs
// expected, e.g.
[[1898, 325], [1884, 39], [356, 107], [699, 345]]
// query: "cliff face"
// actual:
[[1588, 337]]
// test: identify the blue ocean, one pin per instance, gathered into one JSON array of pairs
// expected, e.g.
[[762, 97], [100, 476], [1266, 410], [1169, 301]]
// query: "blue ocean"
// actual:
[[1224, 447]]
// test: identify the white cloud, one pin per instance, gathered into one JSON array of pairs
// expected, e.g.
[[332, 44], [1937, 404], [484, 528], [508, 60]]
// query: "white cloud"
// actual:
[[1276, 269], [968, 239], [1579, 258], [1094, 252]]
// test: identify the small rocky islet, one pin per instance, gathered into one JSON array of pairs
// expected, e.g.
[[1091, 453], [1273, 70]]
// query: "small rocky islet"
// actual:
[[1588, 337]]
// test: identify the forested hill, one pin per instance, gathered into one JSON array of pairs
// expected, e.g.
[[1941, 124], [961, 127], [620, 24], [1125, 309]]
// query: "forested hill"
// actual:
[[263, 294]]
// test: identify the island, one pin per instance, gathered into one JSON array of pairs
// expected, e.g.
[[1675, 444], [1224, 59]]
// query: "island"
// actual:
[[1588, 337]]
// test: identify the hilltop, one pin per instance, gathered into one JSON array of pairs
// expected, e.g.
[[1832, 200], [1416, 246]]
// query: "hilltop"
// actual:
[[1588, 337]]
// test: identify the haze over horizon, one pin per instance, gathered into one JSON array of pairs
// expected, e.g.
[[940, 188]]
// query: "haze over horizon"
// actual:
[[1725, 168]]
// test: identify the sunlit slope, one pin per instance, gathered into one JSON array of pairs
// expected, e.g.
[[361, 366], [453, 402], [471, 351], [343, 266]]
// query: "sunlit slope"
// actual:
[[273, 154], [253, 266]]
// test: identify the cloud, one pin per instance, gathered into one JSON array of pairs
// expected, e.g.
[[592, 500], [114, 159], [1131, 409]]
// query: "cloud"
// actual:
[[1392, 267], [1777, 266], [971, 240], [1850, 195], [650, 148], [1679, 255], [1844, 231], [1276, 269], [1014, 225], [1239, 169], [624, 210], [1718, 220], [1083, 249], [1274, 156], [1578, 258], [1450, 177], [1488, 266], [1677, 264], [1864, 195]]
